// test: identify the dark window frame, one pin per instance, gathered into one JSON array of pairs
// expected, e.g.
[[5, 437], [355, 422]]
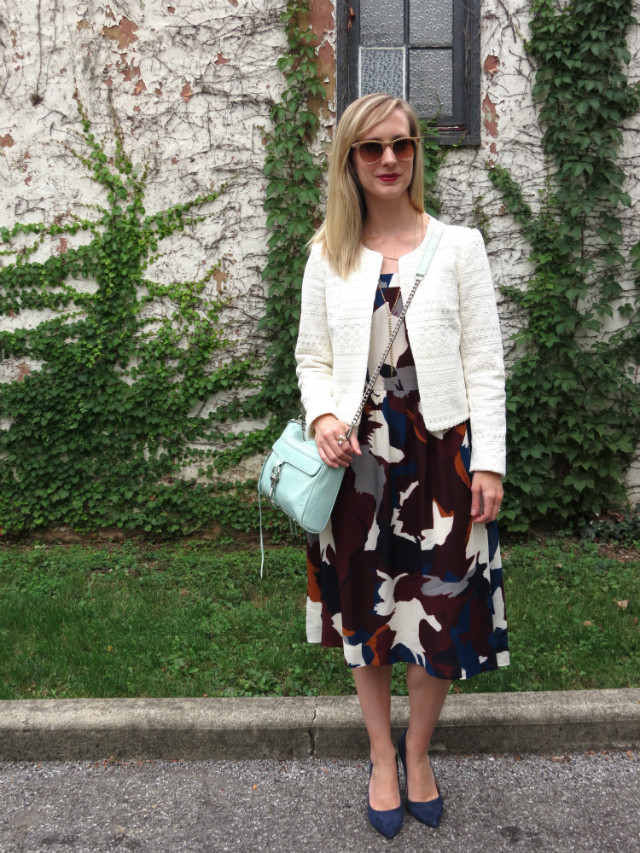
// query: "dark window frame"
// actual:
[[463, 127]]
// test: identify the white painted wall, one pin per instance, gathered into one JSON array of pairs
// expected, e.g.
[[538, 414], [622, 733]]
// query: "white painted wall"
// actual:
[[192, 85], [192, 82]]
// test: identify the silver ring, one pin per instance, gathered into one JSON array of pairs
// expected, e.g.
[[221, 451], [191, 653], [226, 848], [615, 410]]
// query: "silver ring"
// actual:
[[341, 440]]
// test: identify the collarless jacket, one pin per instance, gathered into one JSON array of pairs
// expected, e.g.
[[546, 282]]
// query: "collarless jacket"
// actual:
[[452, 325]]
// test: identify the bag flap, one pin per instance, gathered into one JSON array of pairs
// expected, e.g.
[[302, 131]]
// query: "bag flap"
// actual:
[[293, 449]]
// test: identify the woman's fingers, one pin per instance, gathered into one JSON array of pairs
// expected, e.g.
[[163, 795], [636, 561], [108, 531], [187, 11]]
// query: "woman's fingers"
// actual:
[[331, 438], [336, 450], [332, 454], [486, 496], [335, 461]]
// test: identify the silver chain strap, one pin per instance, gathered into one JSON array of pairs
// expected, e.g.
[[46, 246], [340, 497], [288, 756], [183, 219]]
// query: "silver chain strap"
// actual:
[[376, 372], [422, 271]]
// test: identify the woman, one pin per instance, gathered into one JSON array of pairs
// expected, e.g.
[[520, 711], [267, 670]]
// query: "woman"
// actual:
[[408, 569]]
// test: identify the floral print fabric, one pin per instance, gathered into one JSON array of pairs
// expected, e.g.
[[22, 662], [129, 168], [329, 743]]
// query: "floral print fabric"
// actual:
[[400, 574]]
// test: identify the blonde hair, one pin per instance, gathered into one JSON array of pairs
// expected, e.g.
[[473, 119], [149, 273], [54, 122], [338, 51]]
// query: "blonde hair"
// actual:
[[340, 235]]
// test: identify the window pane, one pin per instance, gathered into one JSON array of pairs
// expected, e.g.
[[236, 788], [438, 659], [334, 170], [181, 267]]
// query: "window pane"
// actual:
[[431, 22], [381, 23], [381, 71], [431, 75]]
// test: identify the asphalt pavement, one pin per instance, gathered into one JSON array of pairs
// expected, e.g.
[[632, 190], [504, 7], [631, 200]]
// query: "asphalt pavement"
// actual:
[[493, 804]]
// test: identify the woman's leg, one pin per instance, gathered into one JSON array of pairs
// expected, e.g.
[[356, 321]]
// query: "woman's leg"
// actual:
[[426, 699], [373, 684]]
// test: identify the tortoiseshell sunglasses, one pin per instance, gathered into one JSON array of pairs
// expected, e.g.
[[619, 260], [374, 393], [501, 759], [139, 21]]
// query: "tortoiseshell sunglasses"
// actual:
[[371, 150]]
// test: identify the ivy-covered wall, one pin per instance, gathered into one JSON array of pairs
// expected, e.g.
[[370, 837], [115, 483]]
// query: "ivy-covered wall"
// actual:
[[132, 149], [139, 147], [512, 136], [191, 85], [573, 392]]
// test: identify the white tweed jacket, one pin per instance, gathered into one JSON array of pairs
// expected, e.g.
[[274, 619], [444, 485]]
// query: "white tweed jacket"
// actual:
[[452, 325]]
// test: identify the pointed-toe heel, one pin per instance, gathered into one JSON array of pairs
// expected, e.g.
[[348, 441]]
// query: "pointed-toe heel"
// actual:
[[429, 812], [386, 822]]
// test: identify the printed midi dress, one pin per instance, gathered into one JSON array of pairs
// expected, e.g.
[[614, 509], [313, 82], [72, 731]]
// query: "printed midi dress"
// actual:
[[400, 574]]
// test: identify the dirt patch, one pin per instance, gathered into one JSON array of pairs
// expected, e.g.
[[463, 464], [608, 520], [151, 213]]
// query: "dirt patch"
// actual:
[[616, 551], [232, 540]]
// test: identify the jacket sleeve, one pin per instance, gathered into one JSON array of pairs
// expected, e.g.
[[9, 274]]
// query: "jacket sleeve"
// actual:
[[482, 358], [314, 351]]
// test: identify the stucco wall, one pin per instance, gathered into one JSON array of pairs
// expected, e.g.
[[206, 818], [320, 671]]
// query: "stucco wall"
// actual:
[[192, 83]]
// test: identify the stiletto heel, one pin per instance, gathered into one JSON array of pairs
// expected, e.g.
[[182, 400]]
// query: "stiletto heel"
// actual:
[[428, 812], [387, 822]]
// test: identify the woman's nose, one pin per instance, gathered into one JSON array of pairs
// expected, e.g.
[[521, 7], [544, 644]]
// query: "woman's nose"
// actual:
[[387, 155]]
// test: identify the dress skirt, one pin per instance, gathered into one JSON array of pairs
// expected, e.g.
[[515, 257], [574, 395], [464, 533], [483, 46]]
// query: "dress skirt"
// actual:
[[400, 574]]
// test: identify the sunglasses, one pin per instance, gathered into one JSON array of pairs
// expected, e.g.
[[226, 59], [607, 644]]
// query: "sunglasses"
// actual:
[[371, 150]]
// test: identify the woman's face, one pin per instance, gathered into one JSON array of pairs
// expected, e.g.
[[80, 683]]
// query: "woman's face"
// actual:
[[389, 177]]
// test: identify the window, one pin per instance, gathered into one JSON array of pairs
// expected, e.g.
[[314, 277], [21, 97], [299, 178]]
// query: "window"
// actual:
[[427, 51]]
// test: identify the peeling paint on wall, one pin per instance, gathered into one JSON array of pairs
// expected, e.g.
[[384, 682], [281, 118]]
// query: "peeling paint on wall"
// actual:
[[22, 371], [322, 21], [123, 33], [490, 116], [491, 64]]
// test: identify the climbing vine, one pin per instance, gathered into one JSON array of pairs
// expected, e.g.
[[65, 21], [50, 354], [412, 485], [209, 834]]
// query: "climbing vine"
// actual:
[[573, 396], [293, 197], [101, 425], [292, 203], [434, 156], [102, 429]]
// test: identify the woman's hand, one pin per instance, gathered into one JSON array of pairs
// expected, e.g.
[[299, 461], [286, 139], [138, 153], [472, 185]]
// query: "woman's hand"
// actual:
[[328, 429], [486, 496]]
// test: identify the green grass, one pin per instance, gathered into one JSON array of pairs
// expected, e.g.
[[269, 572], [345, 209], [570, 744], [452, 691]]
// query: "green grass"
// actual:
[[567, 630], [194, 619]]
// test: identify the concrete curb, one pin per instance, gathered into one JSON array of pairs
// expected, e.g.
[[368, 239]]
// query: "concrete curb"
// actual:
[[322, 727]]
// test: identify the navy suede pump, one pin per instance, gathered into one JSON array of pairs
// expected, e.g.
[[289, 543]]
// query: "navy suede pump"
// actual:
[[387, 822], [429, 812]]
